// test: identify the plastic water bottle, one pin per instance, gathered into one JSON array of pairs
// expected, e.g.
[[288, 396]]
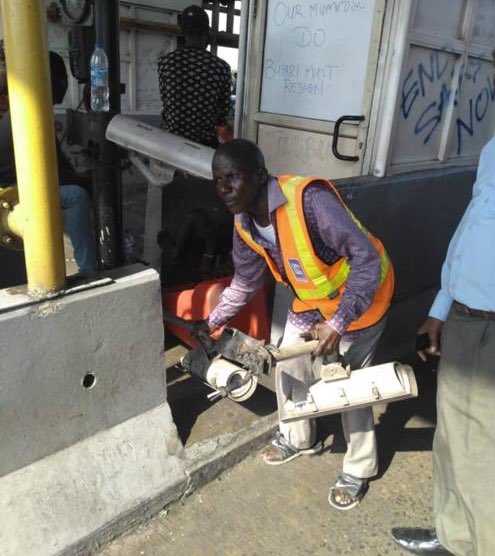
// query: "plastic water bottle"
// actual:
[[100, 91]]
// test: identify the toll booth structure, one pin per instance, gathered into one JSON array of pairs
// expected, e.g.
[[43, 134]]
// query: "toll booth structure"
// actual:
[[90, 446], [392, 100]]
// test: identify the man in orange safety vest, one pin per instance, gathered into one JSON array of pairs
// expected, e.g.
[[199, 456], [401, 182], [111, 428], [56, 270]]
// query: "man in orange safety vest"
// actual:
[[342, 281]]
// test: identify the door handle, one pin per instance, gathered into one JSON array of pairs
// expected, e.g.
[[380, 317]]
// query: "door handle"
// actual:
[[335, 141]]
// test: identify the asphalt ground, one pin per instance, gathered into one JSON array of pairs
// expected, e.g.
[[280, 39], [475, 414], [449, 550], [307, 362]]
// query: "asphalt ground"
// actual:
[[253, 509], [257, 510]]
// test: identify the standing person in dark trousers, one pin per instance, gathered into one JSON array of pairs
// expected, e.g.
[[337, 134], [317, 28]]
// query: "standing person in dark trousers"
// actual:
[[301, 229], [194, 84], [463, 313], [75, 202]]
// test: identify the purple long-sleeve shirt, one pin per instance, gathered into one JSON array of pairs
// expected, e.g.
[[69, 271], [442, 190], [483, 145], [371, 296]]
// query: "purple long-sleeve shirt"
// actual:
[[333, 234]]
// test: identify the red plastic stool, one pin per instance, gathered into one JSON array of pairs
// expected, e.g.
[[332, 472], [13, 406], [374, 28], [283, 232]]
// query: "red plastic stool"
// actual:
[[197, 302]]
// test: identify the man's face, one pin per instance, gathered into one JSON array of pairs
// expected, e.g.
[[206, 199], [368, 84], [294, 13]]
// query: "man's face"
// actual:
[[237, 187]]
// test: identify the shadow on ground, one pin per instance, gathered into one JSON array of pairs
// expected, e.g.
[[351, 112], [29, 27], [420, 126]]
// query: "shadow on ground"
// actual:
[[405, 426], [391, 430], [197, 418], [392, 433]]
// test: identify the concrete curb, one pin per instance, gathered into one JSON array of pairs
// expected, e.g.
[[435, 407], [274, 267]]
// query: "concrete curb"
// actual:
[[203, 462], [206, 460]]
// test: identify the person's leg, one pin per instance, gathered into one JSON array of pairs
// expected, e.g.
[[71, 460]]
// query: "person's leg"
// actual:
[[464, 442], [289, 375], [297, 437], [360, 460], [76, 215]]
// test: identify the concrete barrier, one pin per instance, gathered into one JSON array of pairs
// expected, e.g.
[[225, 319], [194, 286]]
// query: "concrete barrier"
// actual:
[[87, 436]]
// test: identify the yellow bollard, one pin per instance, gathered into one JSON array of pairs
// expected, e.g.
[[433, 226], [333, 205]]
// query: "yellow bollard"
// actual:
[[34, 143]]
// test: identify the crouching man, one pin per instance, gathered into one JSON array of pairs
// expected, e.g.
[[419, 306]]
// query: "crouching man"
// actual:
[[301, 229]]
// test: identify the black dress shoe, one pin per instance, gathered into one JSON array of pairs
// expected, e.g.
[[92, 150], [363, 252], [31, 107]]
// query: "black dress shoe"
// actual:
[[419, 541]]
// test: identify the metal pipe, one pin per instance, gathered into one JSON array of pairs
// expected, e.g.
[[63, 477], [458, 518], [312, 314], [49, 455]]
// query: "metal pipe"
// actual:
[[15, 221], [34, 142], [106, 13], [11, 222], [107, 181], [243, 65], [389, 110]]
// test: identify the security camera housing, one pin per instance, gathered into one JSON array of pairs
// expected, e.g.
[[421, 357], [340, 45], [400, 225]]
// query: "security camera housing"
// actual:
[[152, 142]]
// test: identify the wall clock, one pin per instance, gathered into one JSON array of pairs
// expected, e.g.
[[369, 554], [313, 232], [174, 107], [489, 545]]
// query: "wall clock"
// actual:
[[75, 10]]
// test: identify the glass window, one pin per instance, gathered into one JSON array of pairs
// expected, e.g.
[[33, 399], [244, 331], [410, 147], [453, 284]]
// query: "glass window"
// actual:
[[484, 23], [222, 21], [474, 119], [439, 17], [230, 55], [423, 100]]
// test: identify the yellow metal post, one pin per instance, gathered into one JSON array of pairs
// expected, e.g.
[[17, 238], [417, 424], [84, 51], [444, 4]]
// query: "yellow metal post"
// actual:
[[34, 142]]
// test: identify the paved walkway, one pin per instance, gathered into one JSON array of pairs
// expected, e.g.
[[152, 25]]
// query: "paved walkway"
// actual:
[[257, 510]]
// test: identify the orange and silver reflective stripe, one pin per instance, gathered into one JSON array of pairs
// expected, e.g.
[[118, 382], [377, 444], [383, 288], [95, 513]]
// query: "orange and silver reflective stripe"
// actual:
[[323, 286]]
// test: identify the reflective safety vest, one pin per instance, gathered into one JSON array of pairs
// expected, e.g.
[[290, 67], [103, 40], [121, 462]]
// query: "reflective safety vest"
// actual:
[[316, 284]]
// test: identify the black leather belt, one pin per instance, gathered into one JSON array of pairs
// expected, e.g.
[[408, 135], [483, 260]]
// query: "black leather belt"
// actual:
[[461, 309]]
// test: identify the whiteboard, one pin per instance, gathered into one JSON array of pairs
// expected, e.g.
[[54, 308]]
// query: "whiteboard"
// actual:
[[315, 57]]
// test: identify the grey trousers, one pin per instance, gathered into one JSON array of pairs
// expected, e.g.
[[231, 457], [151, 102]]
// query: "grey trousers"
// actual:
[[464, 442], [360, 459]]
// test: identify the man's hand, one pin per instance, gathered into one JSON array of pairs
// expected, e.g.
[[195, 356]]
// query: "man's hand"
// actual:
[[202, 332], [432, 327], [328, 338], [224, 133]]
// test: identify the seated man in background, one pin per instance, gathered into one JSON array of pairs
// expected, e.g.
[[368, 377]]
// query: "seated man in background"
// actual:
[[194, 84], [75, 202], [195, 87]]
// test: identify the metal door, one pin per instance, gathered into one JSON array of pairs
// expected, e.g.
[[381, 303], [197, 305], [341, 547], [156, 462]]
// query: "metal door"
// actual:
[[309, 81]]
